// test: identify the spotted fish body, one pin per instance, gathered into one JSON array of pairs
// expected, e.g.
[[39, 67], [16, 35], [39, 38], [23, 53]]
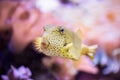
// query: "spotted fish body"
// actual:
[[59, 41]]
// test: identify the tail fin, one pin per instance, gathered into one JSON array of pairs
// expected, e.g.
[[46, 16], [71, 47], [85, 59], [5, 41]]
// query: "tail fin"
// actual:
[[89, 50], [37, 44]]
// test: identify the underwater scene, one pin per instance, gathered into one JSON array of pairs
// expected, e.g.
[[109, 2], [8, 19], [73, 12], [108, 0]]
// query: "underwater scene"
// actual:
[[59, 39]]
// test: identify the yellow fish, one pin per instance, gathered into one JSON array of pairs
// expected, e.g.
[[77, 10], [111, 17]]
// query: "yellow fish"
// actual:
[[62, 42]]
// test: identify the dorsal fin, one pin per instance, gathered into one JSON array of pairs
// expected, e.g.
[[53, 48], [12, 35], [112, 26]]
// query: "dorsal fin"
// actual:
[[79, 33]]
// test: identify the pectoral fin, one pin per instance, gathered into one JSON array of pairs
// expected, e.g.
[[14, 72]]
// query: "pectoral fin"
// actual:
[[68, 46]]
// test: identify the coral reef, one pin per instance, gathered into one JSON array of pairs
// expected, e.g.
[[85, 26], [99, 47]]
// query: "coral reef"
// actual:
[[21, 21]]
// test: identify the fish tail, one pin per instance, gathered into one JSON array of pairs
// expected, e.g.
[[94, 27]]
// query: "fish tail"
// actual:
[[89, 50], [37, 43]]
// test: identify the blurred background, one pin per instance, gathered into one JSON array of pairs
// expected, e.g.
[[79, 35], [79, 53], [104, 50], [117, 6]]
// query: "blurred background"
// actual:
[[21, 21]]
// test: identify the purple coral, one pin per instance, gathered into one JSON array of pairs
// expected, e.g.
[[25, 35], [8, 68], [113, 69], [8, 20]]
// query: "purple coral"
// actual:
[[22, 73]]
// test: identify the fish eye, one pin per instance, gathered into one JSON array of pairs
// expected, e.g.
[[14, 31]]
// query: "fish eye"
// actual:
[[61, 30]]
